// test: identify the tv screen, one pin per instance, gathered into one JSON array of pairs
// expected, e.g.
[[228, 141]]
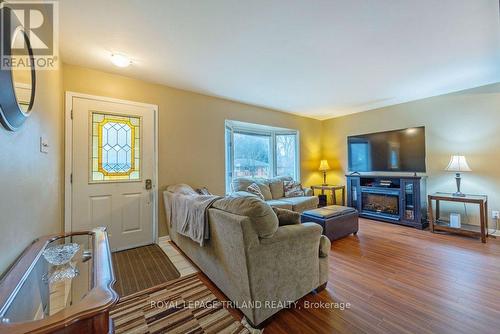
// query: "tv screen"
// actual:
[[391, 151]]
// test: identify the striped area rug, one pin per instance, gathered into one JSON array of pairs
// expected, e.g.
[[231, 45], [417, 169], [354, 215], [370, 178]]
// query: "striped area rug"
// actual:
[[140, 268], [185, 305]]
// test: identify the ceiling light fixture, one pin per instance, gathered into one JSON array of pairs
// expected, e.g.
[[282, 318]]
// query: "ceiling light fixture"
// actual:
[[120, 60]]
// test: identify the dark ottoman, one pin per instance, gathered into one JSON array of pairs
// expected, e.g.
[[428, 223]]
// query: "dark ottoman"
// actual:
[[337, 221]]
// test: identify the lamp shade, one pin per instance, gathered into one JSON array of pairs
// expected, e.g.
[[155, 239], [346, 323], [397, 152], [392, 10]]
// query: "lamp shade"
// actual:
[[458, 163], [323, 165]]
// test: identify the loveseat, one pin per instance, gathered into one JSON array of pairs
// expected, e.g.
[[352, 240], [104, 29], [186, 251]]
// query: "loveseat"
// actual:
[[258, 264], [274, 193]]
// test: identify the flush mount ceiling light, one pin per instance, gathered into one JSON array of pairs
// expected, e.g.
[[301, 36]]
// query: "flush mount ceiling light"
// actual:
[[120, 60]]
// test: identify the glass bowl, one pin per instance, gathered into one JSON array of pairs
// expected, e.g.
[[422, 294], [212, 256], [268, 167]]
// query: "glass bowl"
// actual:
[[61, 254]]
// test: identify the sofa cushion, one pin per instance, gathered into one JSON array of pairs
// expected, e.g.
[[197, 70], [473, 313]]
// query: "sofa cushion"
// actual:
[[254, 189], [182, 189], [302, 203], [276, 203], [287, 217], [259, 212], [242, 183], [277, 186], [293, 189]]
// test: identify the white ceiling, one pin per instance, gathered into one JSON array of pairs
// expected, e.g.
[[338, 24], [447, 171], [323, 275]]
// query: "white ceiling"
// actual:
[[314, 58]]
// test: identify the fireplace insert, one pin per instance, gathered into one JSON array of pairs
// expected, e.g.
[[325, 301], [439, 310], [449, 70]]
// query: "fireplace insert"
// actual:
[[384, 204]]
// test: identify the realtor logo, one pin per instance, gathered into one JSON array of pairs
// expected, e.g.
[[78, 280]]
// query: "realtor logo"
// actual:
[[39, 21]]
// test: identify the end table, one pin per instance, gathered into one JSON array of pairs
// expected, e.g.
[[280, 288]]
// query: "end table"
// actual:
[[436, 223], [333, 189]]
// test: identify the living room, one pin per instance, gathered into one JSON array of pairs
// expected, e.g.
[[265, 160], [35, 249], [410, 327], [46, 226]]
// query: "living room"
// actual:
[[194, 80]]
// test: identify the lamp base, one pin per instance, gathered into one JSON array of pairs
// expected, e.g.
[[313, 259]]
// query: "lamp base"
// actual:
[[458, 193]]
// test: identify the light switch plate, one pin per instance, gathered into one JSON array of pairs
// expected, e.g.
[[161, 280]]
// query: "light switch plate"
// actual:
[[44, 145]]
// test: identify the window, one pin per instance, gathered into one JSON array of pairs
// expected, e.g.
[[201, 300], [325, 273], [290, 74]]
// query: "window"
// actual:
[[115, 148], [260, 151], [252, 154]]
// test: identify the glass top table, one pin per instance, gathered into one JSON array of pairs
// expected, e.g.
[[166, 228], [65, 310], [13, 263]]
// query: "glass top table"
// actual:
[[438, 223], [60, 282], [50, 286]]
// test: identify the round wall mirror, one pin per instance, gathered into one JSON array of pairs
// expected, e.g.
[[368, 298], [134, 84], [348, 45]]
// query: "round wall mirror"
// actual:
[[17, 75], [22, 73]]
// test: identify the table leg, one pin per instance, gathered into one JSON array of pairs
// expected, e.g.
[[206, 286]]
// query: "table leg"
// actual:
[[334, 196], [482, 217], [431, 215], [486, 217], [438, 210], [343, 196]]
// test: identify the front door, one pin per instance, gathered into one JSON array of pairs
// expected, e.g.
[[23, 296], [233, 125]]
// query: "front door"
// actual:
[[113, 169]]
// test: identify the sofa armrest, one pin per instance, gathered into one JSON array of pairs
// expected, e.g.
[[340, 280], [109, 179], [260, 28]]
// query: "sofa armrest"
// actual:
[[324, 246], [293, 233], [308, 192]]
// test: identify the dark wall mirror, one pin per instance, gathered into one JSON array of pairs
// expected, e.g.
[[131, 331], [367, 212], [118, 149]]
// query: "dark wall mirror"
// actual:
[[17, 73]]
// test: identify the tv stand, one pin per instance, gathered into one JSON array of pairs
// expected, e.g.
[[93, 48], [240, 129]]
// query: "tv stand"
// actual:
[[394, 199]]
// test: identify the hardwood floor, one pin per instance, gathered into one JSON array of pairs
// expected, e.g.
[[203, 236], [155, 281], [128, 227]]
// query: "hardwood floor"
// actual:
[[402, 280]]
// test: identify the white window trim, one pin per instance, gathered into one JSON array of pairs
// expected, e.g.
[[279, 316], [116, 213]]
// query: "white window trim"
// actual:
[[257, 129]]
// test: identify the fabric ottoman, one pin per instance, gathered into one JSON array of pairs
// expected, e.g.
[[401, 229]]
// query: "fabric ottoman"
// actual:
[[337, 221]]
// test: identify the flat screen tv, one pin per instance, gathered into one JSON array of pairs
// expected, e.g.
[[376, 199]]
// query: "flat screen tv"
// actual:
[[391, 151]]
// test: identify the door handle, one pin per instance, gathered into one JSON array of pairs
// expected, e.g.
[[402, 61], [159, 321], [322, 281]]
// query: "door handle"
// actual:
[[149, 184]]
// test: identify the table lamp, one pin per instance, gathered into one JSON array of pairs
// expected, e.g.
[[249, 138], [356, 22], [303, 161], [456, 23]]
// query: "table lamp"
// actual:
[[458, 164], [323, 166]]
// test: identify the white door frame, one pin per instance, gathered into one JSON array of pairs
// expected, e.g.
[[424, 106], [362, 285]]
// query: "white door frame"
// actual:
[[68, 154]]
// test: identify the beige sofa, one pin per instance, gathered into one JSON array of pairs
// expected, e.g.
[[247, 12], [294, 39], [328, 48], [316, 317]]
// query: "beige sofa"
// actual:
[[274, 195], [257, 264]]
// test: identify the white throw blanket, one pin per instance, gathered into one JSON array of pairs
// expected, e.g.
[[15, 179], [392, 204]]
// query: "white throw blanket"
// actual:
[[189, 215]]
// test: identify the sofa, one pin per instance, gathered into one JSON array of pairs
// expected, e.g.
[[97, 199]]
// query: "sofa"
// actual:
[[274, 194], [258, 264]]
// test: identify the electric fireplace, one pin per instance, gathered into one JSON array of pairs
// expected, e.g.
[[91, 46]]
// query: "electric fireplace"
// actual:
[[380, 203], [395, 199]]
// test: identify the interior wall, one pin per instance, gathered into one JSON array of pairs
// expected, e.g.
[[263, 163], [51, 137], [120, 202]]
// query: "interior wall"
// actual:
[[31, 181], [191, 129], [464, 122]]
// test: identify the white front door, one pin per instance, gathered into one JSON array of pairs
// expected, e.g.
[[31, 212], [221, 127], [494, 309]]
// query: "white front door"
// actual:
[[113, 169]]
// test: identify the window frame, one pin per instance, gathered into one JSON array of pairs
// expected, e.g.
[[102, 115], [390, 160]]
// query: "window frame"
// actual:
[[257, 130]]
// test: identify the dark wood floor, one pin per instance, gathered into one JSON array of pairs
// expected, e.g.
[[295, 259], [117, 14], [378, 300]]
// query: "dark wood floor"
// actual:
[[402, 280]]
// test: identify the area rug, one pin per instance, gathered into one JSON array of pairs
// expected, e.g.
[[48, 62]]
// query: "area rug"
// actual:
[[185, 305], [141, 268]]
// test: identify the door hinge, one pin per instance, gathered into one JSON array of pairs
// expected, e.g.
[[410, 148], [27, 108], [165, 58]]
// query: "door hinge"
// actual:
[[71, 113], [71, 178]]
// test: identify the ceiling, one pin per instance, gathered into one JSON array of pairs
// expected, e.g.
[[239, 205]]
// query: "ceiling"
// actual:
[[316, 58]]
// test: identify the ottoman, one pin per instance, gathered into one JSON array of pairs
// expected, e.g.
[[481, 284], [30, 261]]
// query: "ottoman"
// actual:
[[337, 221]]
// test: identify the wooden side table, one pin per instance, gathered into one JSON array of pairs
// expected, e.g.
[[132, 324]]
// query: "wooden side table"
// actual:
[[333, 189], [436, 223]]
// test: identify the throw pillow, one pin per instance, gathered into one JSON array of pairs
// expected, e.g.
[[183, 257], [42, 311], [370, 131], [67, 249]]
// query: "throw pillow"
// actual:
[[293, 189], [254, 189], [287, 217]]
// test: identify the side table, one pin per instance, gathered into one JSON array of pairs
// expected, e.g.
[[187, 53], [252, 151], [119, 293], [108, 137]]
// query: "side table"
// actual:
[[436, 223], [333, 189]]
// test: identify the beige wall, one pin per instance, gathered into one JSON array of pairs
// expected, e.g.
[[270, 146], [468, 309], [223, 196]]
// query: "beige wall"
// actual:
[[30, 181], [191, 128], [464, 122], [191, 144]]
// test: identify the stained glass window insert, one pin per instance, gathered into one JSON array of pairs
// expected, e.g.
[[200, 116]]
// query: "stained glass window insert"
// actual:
[[115, 147]]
